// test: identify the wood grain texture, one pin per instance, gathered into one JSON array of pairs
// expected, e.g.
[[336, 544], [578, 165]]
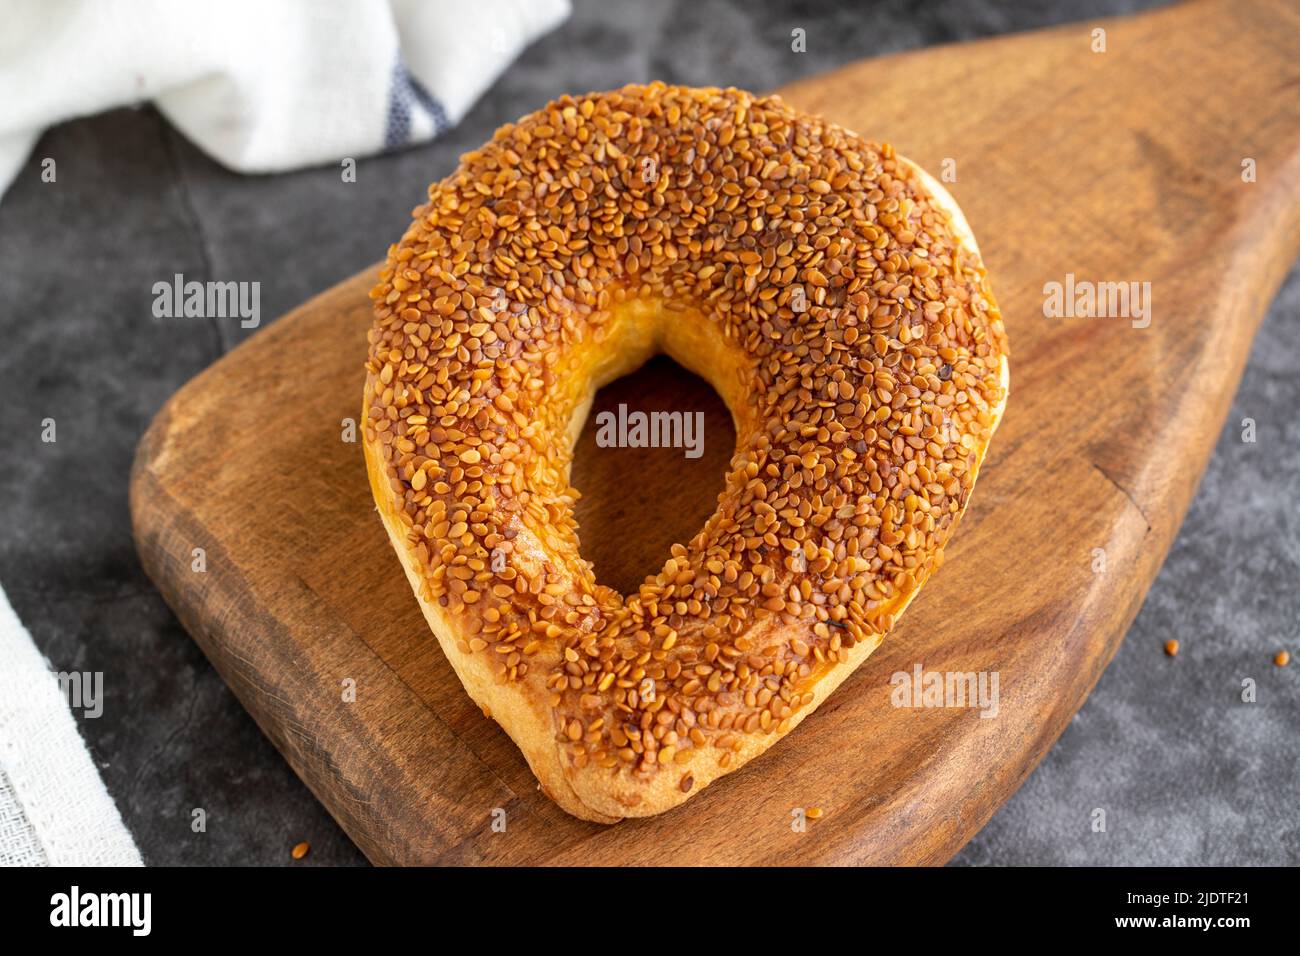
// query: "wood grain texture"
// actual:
[[1116, 166]]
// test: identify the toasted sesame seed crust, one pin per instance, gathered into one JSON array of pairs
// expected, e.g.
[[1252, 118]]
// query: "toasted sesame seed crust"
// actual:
[[821, 283]]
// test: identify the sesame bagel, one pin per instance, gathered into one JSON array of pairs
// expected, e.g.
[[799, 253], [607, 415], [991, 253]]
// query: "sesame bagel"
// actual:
[[833, 295]]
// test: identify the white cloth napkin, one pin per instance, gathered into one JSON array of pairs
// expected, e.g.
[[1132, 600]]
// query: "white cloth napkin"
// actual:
[[54, 810], [260, 85]]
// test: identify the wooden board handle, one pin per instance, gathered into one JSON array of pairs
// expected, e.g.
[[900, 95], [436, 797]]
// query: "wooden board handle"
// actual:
[[1216, 98]]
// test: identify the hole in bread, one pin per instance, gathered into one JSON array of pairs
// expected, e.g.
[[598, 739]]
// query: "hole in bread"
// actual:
[[638, 502]]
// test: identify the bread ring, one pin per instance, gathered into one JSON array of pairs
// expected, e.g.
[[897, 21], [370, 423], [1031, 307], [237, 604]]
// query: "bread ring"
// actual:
[[827, 288]]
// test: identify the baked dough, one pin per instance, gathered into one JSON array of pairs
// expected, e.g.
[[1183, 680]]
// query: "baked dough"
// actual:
[[829, 290]]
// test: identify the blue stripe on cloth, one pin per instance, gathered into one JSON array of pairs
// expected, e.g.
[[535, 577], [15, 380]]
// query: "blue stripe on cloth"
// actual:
[[431, 106], [407, 95]]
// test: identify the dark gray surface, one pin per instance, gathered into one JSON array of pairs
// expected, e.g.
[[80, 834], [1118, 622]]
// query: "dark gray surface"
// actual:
[[1185, 771]]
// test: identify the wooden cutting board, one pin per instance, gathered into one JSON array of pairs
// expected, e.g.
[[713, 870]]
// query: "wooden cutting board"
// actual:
[[1117, 166]]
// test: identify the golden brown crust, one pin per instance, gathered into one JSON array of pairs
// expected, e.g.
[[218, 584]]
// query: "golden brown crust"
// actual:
[[833, 295]]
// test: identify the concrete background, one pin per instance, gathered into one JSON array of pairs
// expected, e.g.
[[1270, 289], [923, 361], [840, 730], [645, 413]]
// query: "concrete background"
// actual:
[[1185, 772]]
